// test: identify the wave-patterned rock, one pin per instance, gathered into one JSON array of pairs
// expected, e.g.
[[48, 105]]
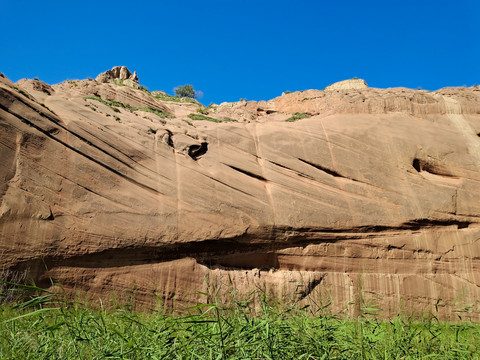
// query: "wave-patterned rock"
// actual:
[[106, 188]]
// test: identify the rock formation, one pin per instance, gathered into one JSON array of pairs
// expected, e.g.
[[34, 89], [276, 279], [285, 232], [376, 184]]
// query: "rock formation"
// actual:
[[121, 75], [371, 196], [348, 85]]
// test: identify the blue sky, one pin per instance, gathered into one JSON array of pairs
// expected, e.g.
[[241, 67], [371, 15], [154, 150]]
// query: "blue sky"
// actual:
[[249, 49]]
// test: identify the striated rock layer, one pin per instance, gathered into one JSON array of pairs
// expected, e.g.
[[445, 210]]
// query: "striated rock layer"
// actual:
[[371, 197]]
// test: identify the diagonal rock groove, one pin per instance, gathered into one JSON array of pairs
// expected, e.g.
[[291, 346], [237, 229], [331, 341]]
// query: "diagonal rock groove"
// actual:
[[20, 98], [307, 289], [292, 170], [98, 162], [81, 138], [113, 147], [324, 169], [248, 173], [231, 187]]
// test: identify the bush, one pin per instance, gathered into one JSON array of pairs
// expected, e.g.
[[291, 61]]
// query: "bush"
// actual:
[[161, 95], [185, 91], [298, 116], [115, 104], [203, 117], [202, 110]]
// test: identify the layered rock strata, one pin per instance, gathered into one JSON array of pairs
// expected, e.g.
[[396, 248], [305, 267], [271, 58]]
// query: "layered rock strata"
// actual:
[[370, 197]]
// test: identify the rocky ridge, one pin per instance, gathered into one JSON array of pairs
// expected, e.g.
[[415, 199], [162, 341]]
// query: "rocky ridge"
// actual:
[[314, 196]]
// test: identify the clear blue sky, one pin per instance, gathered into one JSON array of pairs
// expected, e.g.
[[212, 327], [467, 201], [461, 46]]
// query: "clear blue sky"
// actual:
[[245, 49]]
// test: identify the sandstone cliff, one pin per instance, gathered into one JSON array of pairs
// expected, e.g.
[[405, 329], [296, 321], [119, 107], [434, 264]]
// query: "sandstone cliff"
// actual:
[[318, 196]]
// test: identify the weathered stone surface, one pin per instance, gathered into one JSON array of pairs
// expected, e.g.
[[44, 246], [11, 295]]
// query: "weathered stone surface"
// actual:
[[376, 192], [120, 74], [348, 85]]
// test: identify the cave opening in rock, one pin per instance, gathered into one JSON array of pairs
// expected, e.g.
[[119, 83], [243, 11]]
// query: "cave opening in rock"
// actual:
[[195, 151], [416, 165]]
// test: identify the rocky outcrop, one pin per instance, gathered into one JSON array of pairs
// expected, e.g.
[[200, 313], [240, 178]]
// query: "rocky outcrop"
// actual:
[[348, 85], [372, 196], [35, 85], [121, 75]]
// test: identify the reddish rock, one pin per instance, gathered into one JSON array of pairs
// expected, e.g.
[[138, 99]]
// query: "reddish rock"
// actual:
[[373, 195]]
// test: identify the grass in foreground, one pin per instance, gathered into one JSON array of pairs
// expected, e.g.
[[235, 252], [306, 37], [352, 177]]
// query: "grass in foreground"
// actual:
[[47, 327]]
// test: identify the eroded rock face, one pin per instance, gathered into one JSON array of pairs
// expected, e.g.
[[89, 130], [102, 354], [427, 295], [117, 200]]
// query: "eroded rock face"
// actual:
[[348, 85], [375, 195], [121, 74]]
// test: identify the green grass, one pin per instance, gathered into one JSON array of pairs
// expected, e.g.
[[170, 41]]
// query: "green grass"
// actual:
[[297, 116], [122, 83], [114, 105], [202, 110], [156, 111], [160, 95], [188, 122], [203, 117], [47, 326]]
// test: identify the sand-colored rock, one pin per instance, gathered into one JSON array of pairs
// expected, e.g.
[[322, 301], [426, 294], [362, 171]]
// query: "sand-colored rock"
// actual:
[[374, 195], [349, 84], [121, 75]]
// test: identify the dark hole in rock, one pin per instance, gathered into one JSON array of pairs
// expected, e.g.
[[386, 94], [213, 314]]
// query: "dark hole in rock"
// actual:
[[432, 167], [324, 169], [195, 151], [50, 217], [463, 225], [260, 260], [53, 131], [167, 138], [416, 164], [248, 173]]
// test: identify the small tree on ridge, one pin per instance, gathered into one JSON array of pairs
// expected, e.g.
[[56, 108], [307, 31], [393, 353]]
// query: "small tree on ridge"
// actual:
[[185, 91]]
